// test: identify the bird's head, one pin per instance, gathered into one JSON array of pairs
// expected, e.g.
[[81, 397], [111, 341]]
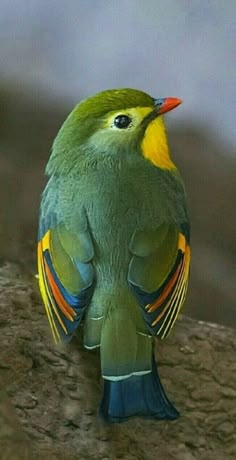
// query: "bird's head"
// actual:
[[113, 124]]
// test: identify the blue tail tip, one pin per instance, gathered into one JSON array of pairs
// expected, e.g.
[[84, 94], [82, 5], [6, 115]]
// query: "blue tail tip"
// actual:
[[136, 396]]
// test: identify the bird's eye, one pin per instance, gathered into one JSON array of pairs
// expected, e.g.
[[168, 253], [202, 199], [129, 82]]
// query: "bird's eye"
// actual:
[[122, 121]]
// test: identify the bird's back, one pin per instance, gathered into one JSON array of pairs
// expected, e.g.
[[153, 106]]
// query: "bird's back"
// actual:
[[124, 198]]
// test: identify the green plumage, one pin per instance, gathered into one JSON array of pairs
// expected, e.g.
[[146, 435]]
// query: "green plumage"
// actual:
[[114, 219]]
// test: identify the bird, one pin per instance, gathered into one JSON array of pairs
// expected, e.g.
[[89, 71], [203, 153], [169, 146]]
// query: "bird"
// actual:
[[114, 244]]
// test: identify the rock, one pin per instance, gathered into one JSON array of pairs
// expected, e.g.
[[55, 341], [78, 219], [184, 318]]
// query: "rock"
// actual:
[[56, 390]]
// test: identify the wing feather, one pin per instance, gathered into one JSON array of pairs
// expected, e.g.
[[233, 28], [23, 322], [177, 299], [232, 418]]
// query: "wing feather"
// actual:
[[162, 306], [64, 309]]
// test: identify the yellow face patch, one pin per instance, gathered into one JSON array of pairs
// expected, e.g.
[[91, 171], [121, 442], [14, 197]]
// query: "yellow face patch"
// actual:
[[154, 145]]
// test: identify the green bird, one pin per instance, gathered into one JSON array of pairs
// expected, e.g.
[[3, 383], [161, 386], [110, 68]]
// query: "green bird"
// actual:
[[113, 250]]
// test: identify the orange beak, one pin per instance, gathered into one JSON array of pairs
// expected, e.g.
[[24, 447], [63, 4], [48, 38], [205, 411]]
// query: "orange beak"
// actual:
[[166, 104]]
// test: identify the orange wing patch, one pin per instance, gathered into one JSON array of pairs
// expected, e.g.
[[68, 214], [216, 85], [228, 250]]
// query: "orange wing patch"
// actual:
[[64, 310], [161, 308]]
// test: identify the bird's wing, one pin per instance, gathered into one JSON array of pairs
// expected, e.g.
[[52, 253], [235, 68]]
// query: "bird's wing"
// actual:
[[66, 275], [158, 274]]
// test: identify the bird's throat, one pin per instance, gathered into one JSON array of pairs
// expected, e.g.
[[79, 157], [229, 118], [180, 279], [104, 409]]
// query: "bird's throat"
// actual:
[[154, 145]]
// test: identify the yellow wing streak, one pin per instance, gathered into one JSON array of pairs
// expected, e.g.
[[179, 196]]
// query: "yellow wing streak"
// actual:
[[45, 291], [179, 297], [171, 299], [174, 291]]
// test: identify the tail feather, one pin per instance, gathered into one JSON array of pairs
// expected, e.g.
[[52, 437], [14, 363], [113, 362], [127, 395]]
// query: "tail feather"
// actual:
[[138, 395]]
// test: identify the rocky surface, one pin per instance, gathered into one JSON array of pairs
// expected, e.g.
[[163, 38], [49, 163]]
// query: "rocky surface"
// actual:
[[49, 395]]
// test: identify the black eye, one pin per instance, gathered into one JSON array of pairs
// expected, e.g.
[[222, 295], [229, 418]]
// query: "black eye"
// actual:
[[122, 121]]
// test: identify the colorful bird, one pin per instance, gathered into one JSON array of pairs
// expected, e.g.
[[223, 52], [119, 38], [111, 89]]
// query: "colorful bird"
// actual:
[[113, 250]]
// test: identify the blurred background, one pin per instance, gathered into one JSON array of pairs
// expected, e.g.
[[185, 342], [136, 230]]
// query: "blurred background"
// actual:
[[53, 53]]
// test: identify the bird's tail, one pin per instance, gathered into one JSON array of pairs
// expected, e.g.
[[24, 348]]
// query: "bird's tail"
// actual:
[[138, 395], [131, 382]]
